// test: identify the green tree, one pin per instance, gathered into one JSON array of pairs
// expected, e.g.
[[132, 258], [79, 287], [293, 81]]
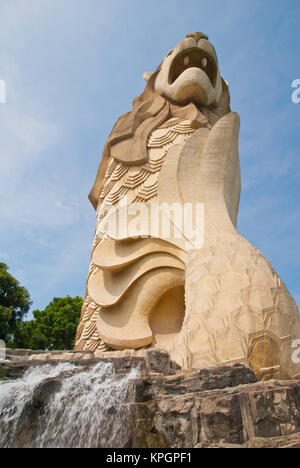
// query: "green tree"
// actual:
[[53, 328], [14, 303]]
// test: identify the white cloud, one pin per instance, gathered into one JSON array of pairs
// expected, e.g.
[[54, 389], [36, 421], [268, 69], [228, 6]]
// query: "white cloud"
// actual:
[[26, 137]]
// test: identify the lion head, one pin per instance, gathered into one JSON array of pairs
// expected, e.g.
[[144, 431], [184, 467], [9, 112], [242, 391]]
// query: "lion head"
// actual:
[[187, 85], [190, 73]]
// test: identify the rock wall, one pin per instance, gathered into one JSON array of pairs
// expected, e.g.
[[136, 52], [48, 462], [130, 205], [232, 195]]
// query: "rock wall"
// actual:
[[171, 408]]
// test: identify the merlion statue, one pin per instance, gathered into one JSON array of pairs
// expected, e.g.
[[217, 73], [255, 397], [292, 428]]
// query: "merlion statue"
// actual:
[[209, 303]]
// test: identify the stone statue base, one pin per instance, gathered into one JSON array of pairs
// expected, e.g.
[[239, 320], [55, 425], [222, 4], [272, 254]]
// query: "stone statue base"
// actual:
[[172, 408]]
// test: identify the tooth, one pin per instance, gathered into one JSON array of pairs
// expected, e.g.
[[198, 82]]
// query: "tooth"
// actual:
[[186, 60], [204, 62]]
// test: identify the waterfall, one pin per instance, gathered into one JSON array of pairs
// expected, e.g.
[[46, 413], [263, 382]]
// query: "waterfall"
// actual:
[[67, 406]]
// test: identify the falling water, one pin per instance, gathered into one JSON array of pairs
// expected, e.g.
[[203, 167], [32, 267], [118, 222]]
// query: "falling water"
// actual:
[[64, 406]]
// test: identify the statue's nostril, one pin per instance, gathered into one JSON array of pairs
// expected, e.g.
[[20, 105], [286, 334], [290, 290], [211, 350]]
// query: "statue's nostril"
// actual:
[[197, 35]]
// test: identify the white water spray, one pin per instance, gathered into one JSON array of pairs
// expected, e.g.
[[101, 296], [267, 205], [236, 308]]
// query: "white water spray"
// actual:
[[74, 407]]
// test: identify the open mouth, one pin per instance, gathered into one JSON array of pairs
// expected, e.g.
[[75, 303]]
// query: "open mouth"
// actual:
[[193, 58]]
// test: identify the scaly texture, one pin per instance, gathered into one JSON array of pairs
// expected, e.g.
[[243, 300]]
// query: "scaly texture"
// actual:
[[139, 184]]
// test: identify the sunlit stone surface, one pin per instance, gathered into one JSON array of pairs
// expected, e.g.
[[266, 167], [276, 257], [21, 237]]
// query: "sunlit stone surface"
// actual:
[[212, 304]]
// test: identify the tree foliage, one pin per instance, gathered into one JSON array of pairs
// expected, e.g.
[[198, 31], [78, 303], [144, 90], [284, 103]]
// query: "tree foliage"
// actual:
[[53, 328], [14, 303]]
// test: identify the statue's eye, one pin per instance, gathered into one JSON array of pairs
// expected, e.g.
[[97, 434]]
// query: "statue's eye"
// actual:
[[171, 51]]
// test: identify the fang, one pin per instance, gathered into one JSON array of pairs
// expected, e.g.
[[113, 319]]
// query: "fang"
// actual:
[[186, 60]]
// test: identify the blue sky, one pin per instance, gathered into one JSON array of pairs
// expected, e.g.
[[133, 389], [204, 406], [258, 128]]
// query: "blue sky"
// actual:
[[72, 67]]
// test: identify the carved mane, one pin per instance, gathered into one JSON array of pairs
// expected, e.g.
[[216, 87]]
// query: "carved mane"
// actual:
[[149, 111]]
